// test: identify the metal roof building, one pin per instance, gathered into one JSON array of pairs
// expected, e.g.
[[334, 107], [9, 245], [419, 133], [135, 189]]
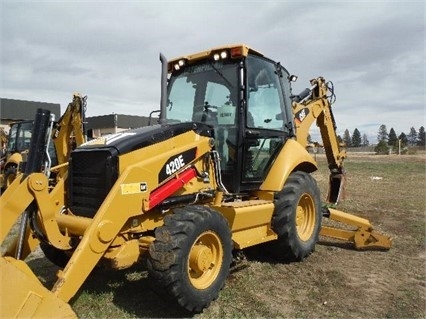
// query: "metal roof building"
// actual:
[[114, 123], [18, 110]]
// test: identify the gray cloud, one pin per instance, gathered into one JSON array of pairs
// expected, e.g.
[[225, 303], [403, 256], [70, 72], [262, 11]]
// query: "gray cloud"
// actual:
[[372, 51]]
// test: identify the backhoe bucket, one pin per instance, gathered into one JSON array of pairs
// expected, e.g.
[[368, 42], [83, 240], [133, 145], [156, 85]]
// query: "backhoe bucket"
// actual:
[[336, 188], [23, 296]]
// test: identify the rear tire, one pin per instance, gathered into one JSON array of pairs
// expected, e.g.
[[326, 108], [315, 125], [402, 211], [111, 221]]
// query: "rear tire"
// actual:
[[191, 256], [297, 217]]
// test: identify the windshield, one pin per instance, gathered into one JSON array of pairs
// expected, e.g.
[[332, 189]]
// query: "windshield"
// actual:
[[20, 137], [204, 92]]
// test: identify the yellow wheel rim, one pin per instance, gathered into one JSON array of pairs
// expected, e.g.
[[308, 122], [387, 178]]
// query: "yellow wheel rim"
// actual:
[[205, 260], [305, 217]]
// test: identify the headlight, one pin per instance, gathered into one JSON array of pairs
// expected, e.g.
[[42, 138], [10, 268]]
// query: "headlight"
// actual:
[[220, 55], [179, 64]]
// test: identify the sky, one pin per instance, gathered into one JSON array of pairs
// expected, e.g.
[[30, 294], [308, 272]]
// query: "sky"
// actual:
[[373, 51]]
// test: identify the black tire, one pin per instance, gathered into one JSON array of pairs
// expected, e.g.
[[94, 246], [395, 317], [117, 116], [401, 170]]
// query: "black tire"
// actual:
[[57, 256], [9, 175], [297, 217], [191, 256]]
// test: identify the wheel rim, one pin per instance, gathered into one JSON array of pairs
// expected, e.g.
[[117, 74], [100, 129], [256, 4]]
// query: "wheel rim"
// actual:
[[205, 260], [305, 217]]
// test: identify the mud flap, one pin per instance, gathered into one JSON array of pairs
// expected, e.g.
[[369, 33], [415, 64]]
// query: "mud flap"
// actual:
[[23, 296]]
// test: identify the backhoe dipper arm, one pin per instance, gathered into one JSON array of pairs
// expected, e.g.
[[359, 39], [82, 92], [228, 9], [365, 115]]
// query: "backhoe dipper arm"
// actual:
[[313, 104], [70, 125]]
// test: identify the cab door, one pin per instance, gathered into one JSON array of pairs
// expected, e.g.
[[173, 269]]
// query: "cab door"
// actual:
[[266, 124]]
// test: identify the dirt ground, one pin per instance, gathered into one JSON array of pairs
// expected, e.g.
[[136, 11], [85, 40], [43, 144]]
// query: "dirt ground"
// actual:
[[335, 281]]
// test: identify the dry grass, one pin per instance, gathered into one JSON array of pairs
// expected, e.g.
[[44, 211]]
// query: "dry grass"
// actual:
[[336, 281]]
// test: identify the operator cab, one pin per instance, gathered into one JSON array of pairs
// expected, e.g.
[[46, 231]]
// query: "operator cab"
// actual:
[[245, 98], [19, 137]]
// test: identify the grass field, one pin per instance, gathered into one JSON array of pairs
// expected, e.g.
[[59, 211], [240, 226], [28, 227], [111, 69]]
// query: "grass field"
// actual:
[[335, 281]]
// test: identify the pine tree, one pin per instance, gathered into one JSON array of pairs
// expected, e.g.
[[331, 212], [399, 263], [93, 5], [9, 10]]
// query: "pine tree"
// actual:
[[392, 139], [347, 138], [404, 140], [365, 141], [356, 138], [421, 137], [382, 134], [412, 136], [382, 148]]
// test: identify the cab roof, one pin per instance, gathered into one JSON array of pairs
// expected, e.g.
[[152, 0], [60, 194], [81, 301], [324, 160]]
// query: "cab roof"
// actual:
[[234, 50]]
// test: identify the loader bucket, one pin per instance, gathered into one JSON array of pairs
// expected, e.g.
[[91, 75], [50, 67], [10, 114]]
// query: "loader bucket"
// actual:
[[23, 296]]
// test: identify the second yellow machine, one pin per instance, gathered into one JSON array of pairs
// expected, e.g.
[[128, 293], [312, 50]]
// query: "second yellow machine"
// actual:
[[225, 168]]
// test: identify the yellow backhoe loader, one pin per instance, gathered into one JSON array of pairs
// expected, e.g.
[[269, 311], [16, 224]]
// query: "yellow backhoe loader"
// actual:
[[225, 168], [69, 129], [17, 145], [3, 143]]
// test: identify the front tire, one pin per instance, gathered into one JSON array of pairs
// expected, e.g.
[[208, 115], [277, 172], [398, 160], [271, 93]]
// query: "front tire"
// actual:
[[191, 256], [57, 256], [10, 175], [297, 217]]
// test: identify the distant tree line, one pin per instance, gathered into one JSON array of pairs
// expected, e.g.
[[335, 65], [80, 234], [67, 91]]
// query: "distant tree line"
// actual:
[[386, 142], [390, 142], [354, 140]]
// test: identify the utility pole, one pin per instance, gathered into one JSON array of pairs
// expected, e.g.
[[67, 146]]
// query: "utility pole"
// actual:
[[399, 146]]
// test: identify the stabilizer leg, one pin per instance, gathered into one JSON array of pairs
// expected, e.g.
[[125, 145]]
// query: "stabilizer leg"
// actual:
[[363, 238]]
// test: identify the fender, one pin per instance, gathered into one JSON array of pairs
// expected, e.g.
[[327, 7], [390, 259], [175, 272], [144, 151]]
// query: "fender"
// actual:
[[292, 156], [15, 158]]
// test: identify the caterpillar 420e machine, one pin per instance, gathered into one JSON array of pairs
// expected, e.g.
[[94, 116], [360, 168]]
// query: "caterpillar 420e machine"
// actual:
[[225, 168]]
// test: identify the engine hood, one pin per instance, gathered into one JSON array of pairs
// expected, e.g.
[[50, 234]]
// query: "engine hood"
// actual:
[[130, 140]]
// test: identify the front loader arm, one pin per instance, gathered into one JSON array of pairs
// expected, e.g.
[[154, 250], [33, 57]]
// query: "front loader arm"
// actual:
[[11, 210], [33, 194], [107, 223], [21, 293], [29, 192]]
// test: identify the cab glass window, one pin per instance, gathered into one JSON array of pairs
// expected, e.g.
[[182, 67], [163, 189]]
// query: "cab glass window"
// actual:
[[200, 91], [265, 98]]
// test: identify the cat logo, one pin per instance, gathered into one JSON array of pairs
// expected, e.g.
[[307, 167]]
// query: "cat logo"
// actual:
[[133, 188], [301, 115]]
